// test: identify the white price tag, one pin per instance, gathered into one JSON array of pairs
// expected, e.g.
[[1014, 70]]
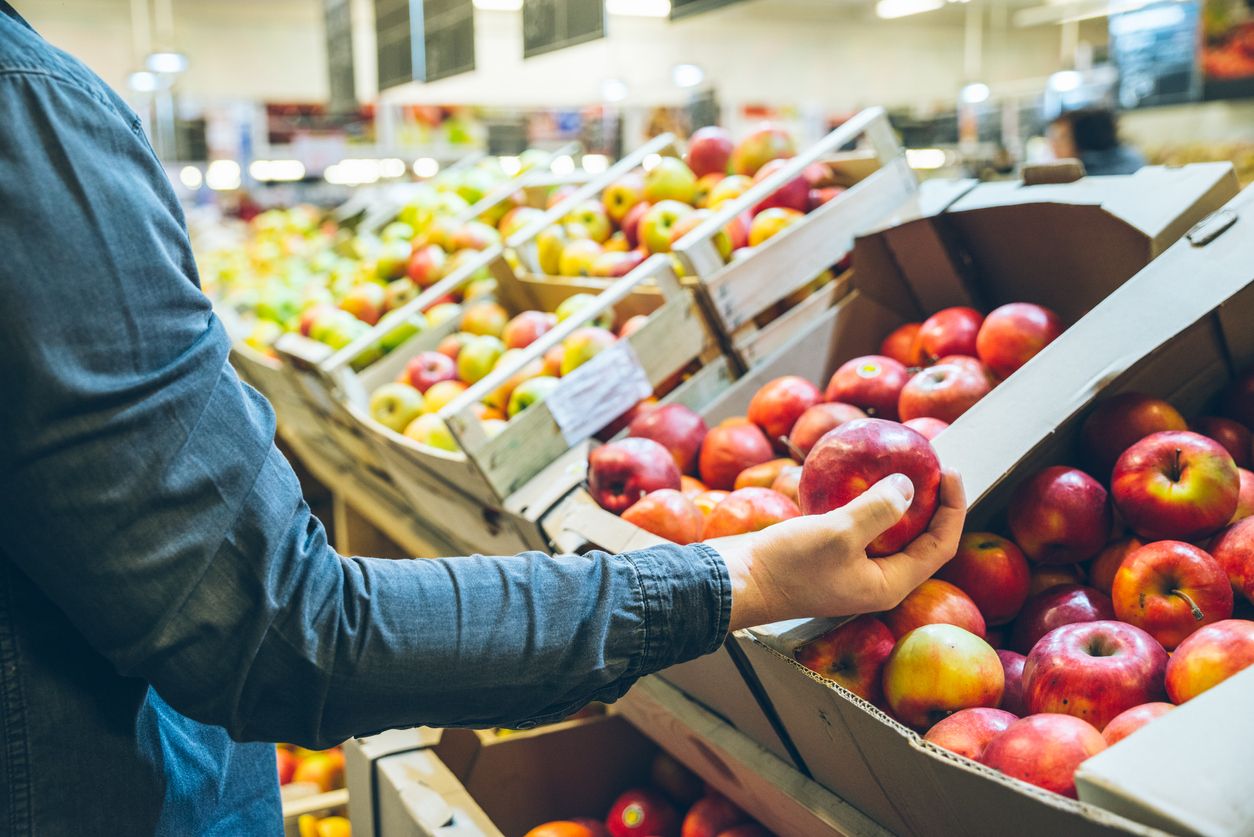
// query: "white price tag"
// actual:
[[598, 392]]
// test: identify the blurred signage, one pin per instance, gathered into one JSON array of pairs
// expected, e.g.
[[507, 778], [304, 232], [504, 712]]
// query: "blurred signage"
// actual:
[[1156, 51], [549, 25], [423, 40], [342, 81], [682, 8], [1228, 48]]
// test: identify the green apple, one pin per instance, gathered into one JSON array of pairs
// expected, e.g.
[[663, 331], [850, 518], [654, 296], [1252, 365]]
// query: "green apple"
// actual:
[[392, 258], [399, 291], [442, 313], [530, 392], [592, 217], [583, 345], [658, 222], [728, 189], [429, 429], [518, 219], [413, 324], [621, 195], [577, 258], [395, 405], [769, 223], [573, 304], [478, 356], [550, 242], [670, 180], [397, 231]]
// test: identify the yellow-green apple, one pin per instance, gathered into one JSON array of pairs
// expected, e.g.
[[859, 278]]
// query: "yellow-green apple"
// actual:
[[1120, 422], [794, 194], [1106, 564], [900, 345], [944, 391], [426, 265], [1045, 750], [310, 317], [1233, 548], [1014, 334], [622, 472], [392, 258], [1233, 435], [518, 219], [712, 816], [1175, 484], [670, 180], [1012, 671], [675, 427], [398, 292], [709, 151], [617, 243], [968, 731], [872, 383], [788, 482], [668, 514], [577, 258], [621, 195], [1238, 400], [1131, 720], [1045, 576], [451, 345], [688, 223], [525, 328], [852, 655], [365, 301], [853, 457], [936, 670], [1170, 589], [728, 449], [583, 345], [770, 222], [1094, 671], [1059, 516], [934, 602], [761, 147], [426, 369], [550, 242], [950, 331], [484, 318], [779, 403], [429, 429], [480, 289], [705, 185], [395, 405], [993, 572], [337, 330], [592, 216], [928, 426], [478, 357], [1245, 496], [498, 399], [530, 391], [474, 235], [631, 223], [655, 227], [401, 332], [437, 232], [573, 304], [612, 264], [812, 424], [632, 325], [748, 510], [1062, 604], [443, 313], [763, 475], [553, 361], [1209, 657], [728, 189], [707, 501]]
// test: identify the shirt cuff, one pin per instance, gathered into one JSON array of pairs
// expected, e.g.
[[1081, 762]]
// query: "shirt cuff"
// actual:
[[687, 603]]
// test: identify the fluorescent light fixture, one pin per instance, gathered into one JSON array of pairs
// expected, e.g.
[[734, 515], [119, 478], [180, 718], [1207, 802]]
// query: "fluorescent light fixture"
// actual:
[[925, 158], [353, 172], [1065, 81], [595, 163], [191, 177], [276, 170], [392, 167], [223, 175], [498, 5], [889, 9], [614, 90], [650, 162], [166, 62], [142, 81], [638, 8], [563, 165], [510, 165], [975, 93], [687, 75], [426, 167]]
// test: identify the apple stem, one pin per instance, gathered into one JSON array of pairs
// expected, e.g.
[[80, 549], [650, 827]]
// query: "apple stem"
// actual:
[[1175, 468], [796, 453], [1197, 611]]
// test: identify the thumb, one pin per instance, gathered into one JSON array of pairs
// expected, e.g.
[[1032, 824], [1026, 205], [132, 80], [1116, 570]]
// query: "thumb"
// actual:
[[880, 507]]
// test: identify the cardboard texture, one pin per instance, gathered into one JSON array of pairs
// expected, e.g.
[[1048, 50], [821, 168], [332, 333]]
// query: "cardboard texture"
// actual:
[[1181, 329], [361, 760], [420, 797]]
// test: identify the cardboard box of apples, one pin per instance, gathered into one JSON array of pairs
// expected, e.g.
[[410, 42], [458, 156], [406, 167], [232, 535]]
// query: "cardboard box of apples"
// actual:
[[1101, 591]]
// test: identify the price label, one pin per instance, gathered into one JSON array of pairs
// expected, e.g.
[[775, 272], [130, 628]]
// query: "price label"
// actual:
[[598, 392]]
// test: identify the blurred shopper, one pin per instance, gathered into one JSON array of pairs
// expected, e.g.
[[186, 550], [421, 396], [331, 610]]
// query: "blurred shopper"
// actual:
[[1091, 135], [165, 593]]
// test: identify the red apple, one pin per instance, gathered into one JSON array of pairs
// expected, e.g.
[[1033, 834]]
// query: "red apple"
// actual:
[[951, 331], [860, 453], [1012, 670], [1245, 496], [451, 346], [668, 514], [1233, 549], [871, 382], [675, 427], [788, 483], [286, 760], [1209, 657], [711, 816], [937, 670], [569, 828], [365, 301], [761, 147], [779, 403], [1094, 671], [525, 328], [816, 421], [1013, 334], [993, 572], [1238, 402], [728, 449], [1175, 485], [427, 265], [968, 731], [1064, 604], [1233, 435], [899, 345], [1045, 750], [484, 318], [622, 472], [1131, 720], [852, 655], [762, 475], [826, 194], [750, 829], [1170, 589], [641, 812], [1059, 516], [1045, 576], [1120, 422], [709, 151], [934, 602], [944, 391], [929, 427], [1106, 564], [748, 510], [631, 223], [676, 781], [428, 368], [794, 194]]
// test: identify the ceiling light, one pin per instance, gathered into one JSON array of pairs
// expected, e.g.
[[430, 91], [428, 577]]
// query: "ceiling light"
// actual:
[[563, 165], [510, 165], [975, 93], [191, 177], [392, 167], [888, 9], [925, 158], [426, 167], [223, 175], [142, 81], [595, 163], [166, 62], [613, 90], [649, 163], [1065, 81], [352, 172], [276, 170], [638, 8], [498, 5], [687, 75]]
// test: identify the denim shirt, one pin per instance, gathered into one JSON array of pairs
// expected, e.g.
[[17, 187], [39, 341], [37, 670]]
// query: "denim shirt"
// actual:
[[165, 593]]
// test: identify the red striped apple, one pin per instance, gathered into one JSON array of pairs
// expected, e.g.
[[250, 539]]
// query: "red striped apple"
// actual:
[[1170, 589], [1120, 422], [1209, 657], [1131, 720], [668, 514], [993, 572], [1234, 436], [1175, 485], [1045, 750], [1059, 516], [934, 602], [968, 731], [778, 404], [872, 383], [1233, 549], [951, 331], [1012, 669], [622, 472], [852, 655], [728, 449], [748, 510], [1064, 604], [1014, 334], [709, 151], [816, 421], [944, 391], [899, 345], [677, 428]]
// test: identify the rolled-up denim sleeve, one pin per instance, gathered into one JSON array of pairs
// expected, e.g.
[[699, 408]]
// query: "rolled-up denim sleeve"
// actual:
[[143, 493]]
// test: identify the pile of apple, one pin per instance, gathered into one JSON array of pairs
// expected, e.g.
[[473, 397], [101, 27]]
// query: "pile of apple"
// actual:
[[645, 212], [323, 770], [678, 804], [684, 481], [489, 338], [1102, 609]]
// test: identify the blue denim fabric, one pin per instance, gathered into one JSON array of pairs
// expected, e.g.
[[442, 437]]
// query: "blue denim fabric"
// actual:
[[164, 591]]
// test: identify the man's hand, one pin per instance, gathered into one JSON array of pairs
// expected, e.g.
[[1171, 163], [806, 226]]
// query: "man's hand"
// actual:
[[818, 566]]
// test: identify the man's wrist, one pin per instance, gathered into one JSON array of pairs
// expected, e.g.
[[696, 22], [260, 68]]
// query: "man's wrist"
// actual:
[[749, 605]]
